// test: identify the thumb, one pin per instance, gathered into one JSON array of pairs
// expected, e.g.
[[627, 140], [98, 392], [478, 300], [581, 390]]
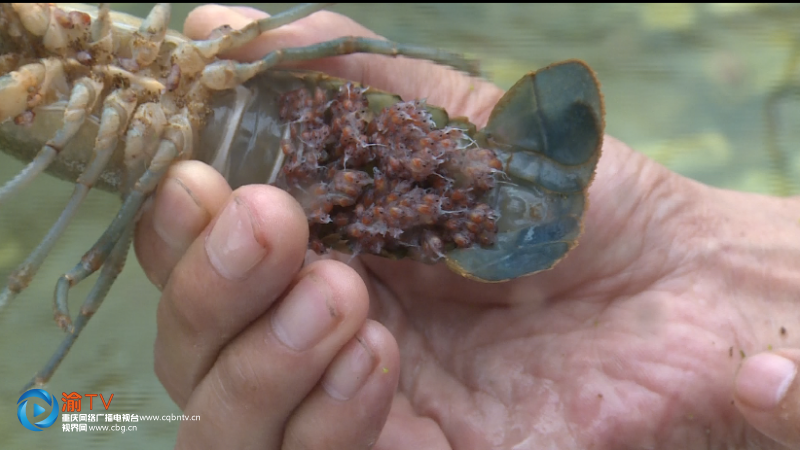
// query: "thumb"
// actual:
[[767, 392]]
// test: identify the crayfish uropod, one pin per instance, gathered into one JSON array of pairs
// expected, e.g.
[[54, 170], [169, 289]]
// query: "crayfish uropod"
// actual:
[[111, 101]]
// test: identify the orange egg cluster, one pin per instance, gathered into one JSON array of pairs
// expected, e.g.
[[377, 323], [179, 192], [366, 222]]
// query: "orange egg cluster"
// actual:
[[389, 184]]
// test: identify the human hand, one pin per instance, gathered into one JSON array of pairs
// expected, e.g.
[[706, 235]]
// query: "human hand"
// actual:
[[632, 341]]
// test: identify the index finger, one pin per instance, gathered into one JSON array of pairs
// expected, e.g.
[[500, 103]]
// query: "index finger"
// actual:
[[458, 93]]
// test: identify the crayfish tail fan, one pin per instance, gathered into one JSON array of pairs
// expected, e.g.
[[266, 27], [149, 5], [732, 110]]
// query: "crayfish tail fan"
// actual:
[[547, 130]]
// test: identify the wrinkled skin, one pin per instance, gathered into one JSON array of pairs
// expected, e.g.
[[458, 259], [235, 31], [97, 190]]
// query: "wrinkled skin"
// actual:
[[625, 344]]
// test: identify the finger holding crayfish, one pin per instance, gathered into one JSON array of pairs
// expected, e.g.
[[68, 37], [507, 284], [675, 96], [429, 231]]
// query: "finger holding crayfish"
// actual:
[[112, 101]]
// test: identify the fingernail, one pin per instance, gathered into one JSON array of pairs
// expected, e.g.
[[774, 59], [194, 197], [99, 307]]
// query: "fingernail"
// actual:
[[231, 246], [175, 208], [764, 379], [349, 372], [306, 315]]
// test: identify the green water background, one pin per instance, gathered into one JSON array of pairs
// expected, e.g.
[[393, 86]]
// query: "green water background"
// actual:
[[689, 85]]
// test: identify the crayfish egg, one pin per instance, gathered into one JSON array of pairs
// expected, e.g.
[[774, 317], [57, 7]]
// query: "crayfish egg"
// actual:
[[394, 185]]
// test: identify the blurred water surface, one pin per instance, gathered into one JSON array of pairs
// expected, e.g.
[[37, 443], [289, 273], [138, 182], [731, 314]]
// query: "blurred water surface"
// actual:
[[711, 91]]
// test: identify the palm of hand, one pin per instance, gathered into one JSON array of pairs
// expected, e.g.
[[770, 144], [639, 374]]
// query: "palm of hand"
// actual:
[[632, 341]]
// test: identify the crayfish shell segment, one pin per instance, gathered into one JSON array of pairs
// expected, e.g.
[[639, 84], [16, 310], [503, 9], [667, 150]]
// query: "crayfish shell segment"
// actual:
[[547, 131]]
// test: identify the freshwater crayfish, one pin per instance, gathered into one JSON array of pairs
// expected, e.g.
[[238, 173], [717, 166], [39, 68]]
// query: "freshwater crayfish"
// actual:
[[113, 100]]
